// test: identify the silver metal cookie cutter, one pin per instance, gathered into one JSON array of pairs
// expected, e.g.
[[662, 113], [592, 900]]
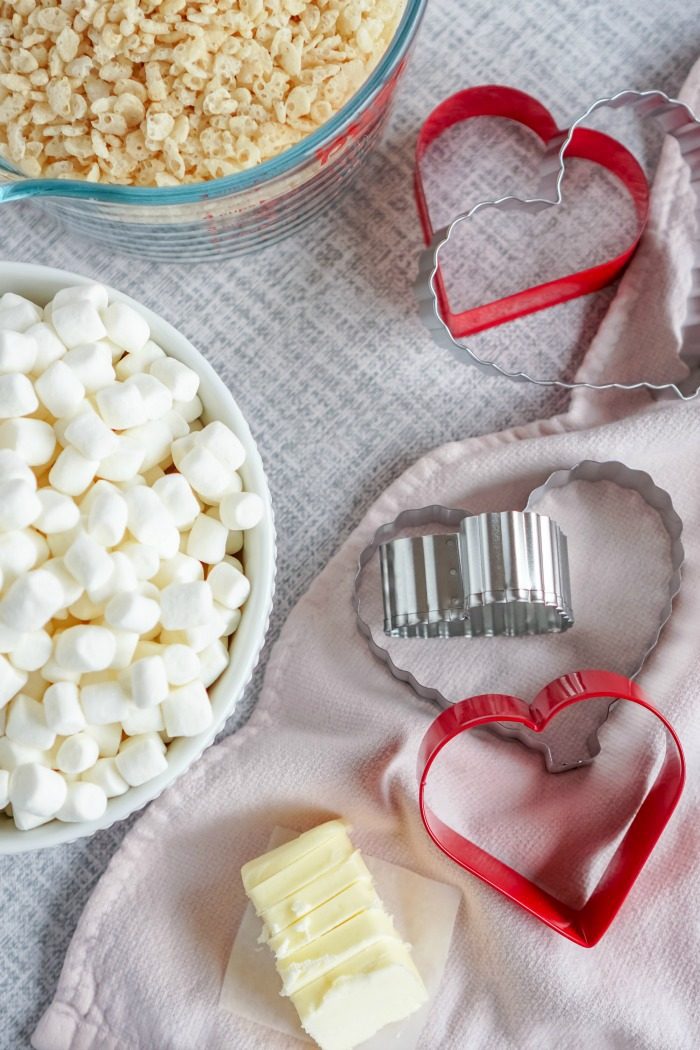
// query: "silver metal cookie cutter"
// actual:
[[675, 118], [566, 743]]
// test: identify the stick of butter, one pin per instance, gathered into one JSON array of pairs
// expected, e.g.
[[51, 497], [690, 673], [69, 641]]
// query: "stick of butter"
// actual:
[[342, 963]]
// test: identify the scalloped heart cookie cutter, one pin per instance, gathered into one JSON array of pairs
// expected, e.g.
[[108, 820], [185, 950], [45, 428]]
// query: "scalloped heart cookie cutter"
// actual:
[[562, 750]]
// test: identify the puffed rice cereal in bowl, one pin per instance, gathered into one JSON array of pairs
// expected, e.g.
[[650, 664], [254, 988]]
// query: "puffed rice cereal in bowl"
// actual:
[[163, 92], [194, 130], [134, 518]]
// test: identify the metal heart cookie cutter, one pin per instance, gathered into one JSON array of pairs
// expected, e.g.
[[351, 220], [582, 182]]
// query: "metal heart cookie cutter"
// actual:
[[503, 573], [674, 118]]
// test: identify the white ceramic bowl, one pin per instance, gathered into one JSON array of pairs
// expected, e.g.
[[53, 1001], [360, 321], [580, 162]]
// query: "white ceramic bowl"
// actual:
[[40, 283]]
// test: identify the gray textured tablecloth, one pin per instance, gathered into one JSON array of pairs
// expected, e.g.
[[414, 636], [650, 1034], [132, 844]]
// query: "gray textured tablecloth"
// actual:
[[319, 341]]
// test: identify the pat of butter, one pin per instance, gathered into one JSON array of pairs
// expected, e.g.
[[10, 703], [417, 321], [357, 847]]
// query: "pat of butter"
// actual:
[[338, 909], [352, 1002], [317, 892], [333, 948], [300, 872], [342, 963], [276, 860]]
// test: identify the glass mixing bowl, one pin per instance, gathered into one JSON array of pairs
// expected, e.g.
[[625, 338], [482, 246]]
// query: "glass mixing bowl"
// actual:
[[198, 222]]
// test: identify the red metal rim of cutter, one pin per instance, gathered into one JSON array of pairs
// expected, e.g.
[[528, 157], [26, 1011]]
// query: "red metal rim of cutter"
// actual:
[[493, 100], [586, 925]]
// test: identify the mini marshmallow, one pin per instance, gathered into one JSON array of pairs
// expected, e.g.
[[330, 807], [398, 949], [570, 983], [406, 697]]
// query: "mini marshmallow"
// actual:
[[205, 472], [72, 472], [155, 439], [17, 397], [126, 327], [105, 774], [58, 511], [19, 505], [30, 601], [229, 586], [32, 651], [176, 495], [181, 381], [149, 521], [189, 410], [89, 292], [220, 439], [145, 559], [77, 753], [126, 642], [11, 681], [107, 516], [60, 390], [143, 720], [139, 362], [104, 702], [4, 788], [178, 569], [213, 661], [121, 405], [77, 322], [207, 540], [229, 619], [37, 790], [132, 612], [155, 396], [91, 363], [201, 637], [62, 709], [141, 758], [26, 724], [14, 468], [181, 664], [85, 648], [234, 542], [84, 801], [17, 314], [108, 737], [9, 639], [187, 710], [49, 347], [17, 352], [13, 755], [148, 681], [32, 439], [88, 562], [125, 463], [53, 672], [241, 510], [184, 605], [27, 821], [87, 433], [71, 590]]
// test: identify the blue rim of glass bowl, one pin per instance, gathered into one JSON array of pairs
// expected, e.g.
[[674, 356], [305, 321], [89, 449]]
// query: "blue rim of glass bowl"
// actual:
[[282, 164]]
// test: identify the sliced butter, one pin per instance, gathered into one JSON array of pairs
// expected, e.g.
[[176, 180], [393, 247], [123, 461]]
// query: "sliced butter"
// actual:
[[356, 898], [352, 1002], [315, 893], [300, 872], [276, 860], [333, 948], [341, 961]]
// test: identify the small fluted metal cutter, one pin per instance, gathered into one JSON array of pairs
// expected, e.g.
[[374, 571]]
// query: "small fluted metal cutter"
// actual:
[[502, 573]]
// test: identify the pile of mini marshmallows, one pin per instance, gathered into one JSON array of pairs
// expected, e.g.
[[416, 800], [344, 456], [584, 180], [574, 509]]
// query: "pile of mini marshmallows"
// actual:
[[120, 517]]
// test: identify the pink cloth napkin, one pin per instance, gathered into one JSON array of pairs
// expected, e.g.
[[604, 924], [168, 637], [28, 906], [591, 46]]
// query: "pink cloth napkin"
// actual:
[[333, 732]]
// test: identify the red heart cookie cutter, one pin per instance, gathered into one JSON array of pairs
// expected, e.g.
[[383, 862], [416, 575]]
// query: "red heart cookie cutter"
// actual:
[[585, 925], [508, 103]]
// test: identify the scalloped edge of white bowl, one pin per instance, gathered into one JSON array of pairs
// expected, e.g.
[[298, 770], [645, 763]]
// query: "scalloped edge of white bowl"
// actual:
[[40, 283]]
